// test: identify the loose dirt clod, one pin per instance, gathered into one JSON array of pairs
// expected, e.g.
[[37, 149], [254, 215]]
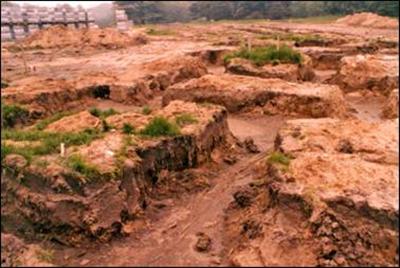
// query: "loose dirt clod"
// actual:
[[61, 36], [203, 243], [366, 19]]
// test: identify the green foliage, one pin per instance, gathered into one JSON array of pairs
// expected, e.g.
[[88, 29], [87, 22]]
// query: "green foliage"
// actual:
[[153, 31], [45, 122], [13, 114], [185, 119], [49, 142], [105, 126], [280, 159], [292, 37], [127, 128], [45, 255], [4, 84], [78, 164], [5, 150], [102, 113], [146, 110], [263, 55], [160, 126]]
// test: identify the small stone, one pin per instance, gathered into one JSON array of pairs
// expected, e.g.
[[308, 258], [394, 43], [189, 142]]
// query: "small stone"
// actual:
[[344, 146], [84, 262], [340, 260], [230, 160], [250, 145], [203, 243]]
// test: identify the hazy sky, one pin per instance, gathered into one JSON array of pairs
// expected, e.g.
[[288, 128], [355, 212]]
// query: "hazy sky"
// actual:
[[85, 4]]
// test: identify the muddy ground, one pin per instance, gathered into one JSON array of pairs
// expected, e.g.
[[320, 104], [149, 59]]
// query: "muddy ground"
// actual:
[[270, 168]]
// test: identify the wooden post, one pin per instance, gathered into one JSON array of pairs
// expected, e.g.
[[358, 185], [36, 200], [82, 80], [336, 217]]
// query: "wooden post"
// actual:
[[248, 44], [62, 149]]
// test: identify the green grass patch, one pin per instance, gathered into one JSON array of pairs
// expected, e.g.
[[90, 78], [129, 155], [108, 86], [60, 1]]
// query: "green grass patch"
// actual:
[[78, 164], [154, 31], [49, 142], [128, 128], [45, 122], [185, 119], [316, 19], [146, 110], [291, 37], [13, 114], [45, 255], [102, 113], [4, 84], [280, 160], [160, 126], [269, 54]]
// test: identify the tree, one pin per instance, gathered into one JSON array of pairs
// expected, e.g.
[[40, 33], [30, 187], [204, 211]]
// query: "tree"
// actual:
[[141, 12]]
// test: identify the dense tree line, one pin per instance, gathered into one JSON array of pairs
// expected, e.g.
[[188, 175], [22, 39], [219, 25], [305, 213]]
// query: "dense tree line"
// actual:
[[142, 12]]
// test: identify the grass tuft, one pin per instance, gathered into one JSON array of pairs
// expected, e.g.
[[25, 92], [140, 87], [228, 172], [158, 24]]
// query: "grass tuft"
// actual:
[[160, 126], [279, 159], [13, 114], [50, 142], [153, 31], [102, 113], [127, 128], [146, 110], [185, 119], [269, 54], [45, 122], [45, 255], [78, 164]]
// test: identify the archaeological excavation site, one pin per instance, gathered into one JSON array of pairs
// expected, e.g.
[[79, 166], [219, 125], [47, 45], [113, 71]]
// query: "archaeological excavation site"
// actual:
[[211, 142]]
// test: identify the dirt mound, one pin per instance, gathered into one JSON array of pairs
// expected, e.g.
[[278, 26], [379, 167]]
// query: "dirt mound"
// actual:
[[326, 199], [272, 96], [366, 19], [98, 187], [61, 36], [391, 108], [14, 252], [378, 73], [288, 72], [75, 123]]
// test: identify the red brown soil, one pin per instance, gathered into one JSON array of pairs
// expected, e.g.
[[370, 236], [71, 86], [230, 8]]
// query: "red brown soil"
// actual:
[[61, 36], [171, 190], [366, 19]]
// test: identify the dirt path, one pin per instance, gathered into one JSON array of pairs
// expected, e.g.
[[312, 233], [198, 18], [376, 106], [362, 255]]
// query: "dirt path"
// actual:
[[170, 240], [367, 108]]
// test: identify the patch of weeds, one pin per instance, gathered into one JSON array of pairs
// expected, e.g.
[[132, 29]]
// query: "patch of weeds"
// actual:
[[146, 110], [269, 54], [127, 128], [123, 152], [13, 114], [279, 159], [291, 37], [153, 31], [41, 163], [4, 84], [45, 255], [160, 126], [50, 142], [45, 122], [5, 150], [106, 126], [78, 164], [102, 113], [185, 119]]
